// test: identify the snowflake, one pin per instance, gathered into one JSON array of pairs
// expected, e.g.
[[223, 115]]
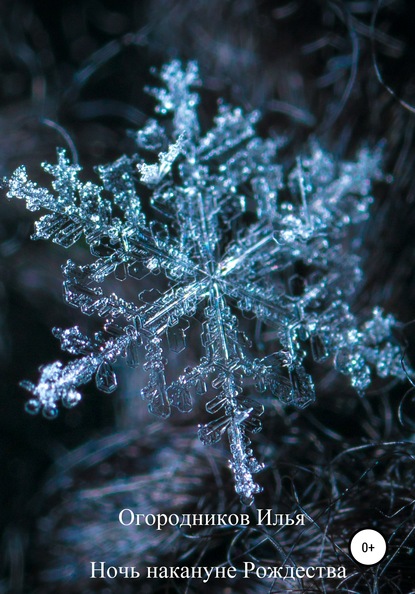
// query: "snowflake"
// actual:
[[236, 237]]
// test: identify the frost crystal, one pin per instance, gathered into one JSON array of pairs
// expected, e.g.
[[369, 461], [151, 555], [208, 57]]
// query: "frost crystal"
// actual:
[[237, 238]]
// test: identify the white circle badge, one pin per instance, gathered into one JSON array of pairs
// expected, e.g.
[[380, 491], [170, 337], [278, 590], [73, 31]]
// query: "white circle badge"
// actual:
[[368, 547]]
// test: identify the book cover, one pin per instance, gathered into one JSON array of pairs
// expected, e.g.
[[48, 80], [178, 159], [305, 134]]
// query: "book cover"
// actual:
[[206, 323]]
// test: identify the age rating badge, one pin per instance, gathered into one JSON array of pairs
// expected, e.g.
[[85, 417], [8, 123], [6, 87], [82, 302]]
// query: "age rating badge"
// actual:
[[368, 547]]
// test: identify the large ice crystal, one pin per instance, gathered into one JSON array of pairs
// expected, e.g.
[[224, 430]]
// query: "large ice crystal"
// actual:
[[236, 238]]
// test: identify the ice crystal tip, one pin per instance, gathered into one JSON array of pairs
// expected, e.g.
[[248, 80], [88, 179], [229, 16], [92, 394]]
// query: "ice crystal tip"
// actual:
[[287, 270]]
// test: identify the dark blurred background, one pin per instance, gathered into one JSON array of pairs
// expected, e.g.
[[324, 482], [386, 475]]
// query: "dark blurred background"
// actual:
[[73, 74]]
